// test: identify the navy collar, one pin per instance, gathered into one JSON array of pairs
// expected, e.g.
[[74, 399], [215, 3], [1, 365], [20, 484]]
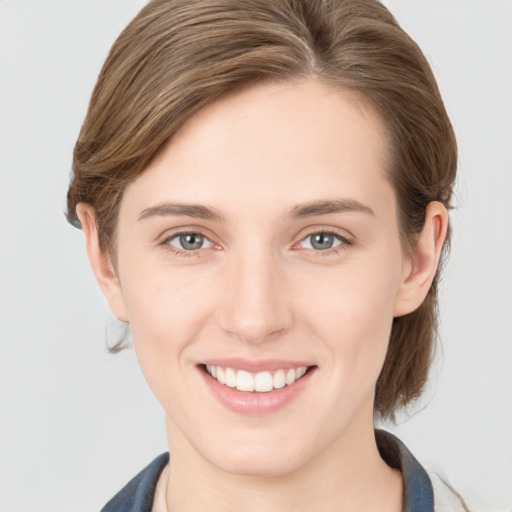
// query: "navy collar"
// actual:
[[138, 494], [418, 493]]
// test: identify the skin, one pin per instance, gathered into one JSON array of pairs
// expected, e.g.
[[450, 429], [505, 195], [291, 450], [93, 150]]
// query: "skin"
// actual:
[[258, 289]]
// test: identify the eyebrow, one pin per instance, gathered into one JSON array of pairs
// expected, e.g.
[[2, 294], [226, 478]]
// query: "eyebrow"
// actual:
[[299, 211], [330, 206], [198, 211]]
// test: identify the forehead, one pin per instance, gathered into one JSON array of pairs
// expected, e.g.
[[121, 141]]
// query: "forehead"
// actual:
[[268, 145]]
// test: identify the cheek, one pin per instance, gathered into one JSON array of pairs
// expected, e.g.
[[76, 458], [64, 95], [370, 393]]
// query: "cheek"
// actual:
[[167, 309], [352, 310], [357, 296], [165, 322], [165, 312]]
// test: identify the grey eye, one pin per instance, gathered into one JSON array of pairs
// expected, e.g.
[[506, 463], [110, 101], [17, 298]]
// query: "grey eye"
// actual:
[[321, 241], [189, 241]]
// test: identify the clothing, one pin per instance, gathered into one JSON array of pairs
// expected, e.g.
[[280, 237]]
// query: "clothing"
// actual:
[[139, 494]]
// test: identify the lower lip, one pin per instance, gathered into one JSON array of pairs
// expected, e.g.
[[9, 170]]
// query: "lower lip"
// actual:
[[255, 403]]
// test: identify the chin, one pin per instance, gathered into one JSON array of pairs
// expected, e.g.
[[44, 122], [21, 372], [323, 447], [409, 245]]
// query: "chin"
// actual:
[[265, 465], [263, 458]]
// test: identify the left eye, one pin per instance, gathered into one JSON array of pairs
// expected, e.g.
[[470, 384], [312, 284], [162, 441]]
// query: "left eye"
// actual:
[[322, 241], [189, 241]]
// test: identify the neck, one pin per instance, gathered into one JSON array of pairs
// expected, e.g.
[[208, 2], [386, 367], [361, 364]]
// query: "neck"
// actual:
[[350, 475]]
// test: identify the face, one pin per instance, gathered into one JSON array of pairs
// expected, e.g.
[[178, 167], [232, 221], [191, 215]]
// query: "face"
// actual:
[[260, 244]]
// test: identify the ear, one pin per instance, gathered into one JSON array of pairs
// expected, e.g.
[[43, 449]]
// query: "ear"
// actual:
[[101, 262], [421, 267]]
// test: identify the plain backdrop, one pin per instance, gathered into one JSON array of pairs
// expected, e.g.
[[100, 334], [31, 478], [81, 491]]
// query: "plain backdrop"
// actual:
[[75, 422]]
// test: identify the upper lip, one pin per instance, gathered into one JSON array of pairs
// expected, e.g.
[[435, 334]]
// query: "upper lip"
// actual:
[[255, 365]]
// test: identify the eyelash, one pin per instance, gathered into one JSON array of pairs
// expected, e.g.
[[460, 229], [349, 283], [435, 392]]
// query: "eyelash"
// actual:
[[183, 253], [344, 245]]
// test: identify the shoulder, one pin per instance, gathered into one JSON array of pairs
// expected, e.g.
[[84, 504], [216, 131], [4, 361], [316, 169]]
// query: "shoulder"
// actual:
[[137, 495]]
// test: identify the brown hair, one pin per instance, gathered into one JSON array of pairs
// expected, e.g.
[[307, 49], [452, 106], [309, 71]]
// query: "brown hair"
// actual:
[[177, 56]]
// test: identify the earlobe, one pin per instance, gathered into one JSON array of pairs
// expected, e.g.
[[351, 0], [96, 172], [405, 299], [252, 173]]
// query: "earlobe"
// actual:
[[420, 270], [101, 262]]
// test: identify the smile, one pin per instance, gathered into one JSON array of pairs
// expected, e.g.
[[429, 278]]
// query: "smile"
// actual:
[[261, 382], [256, 388]]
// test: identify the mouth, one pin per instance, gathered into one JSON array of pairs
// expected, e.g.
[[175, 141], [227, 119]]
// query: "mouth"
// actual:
[[257, 382], [256, 388]]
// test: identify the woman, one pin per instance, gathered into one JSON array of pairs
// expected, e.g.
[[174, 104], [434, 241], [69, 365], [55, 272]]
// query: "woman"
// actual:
[[263, 189]]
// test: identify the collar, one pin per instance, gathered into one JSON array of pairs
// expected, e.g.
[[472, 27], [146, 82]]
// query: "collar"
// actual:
[[137, 495], [418, 493]]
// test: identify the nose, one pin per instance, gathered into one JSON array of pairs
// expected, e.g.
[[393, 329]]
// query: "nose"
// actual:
[[255, 305]]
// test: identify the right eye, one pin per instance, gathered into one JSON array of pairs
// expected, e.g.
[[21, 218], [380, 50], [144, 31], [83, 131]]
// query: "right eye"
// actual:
[[187, 242]]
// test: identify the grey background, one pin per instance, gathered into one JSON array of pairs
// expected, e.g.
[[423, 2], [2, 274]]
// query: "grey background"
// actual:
[[77, 423]]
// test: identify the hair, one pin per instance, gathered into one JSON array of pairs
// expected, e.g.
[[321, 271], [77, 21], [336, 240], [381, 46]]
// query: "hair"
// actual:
[[178, 56]]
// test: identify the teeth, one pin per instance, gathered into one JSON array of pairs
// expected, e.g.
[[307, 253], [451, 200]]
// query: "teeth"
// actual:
[[264, 382], [230, 378], [244, 381], [261, 382], [221, 376], [300, 372], [279, 379], [290, 376]]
